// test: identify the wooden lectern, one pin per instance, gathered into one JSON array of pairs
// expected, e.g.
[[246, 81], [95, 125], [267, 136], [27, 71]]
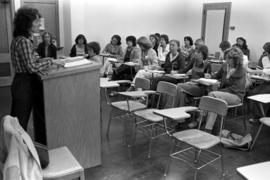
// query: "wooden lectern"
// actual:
[[72, 112]]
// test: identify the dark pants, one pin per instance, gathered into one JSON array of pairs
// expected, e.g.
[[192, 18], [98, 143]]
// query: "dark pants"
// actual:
[[123, 72], [27, 95]]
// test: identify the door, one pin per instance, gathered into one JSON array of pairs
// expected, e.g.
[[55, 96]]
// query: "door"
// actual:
[[49, 12], [6, 71], [215, 24]]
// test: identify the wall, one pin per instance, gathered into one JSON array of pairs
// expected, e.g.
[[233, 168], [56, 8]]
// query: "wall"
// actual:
[[251, 20], [99, 20], [140, 17], [65, 26]]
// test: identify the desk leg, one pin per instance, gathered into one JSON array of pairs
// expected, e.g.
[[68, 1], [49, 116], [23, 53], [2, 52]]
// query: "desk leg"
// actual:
[[260, 128], [103, 58], [100, 108]]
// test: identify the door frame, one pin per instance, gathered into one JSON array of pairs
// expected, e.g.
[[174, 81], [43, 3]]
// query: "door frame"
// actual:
[[6, 81], [226, 23], [56, 2]]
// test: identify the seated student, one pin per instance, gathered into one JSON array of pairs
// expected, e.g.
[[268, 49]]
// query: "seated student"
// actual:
[[188, 47], [242, 44], [174, 62], [93, 52], [224, 46], [113, 48], [266, 59], [200, 67], [260, 89], [79, 48], [265, 47], [163, 48], [148, 59], [189, 61], [132, 54], [46, 48], [155, 42], [249, 71], [232, 77]]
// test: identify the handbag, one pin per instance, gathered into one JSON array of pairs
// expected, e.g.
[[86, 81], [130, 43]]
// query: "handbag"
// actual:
[[235, 141], [43, 154]]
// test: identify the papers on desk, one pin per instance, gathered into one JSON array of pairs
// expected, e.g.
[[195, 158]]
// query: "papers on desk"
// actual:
[[258, 77], [112, 59], [263, 98], [217, 61], [206, 81], [179, 75], [156, 71], [130, 63]]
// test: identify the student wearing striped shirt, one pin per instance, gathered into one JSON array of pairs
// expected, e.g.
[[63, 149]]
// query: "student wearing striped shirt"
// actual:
[[26, 88]]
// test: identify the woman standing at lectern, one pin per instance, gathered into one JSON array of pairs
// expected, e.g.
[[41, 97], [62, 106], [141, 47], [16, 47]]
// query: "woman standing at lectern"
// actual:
[[26, 88]]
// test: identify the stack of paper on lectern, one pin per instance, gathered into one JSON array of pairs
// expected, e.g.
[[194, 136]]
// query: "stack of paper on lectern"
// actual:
[[77, 63]]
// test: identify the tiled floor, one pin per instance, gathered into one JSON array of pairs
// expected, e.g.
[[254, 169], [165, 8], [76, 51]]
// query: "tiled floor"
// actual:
[[120, 162]]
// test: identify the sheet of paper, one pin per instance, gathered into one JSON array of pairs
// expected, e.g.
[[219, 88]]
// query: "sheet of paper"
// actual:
[[77, 63]]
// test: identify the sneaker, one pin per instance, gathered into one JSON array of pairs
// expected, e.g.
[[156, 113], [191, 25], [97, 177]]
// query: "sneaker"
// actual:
[[192, 124]]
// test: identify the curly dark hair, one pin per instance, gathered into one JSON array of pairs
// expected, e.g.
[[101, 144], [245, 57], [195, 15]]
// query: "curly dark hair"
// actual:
[[95, 46], [157, 35], [165, 37], [80, 36], [224, 45], [23, 20], [188, 38], [245, 47], [118, 39], [132, 39]]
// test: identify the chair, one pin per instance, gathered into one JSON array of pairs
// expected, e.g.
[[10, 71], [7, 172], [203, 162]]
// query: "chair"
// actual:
[[261, 99], [63, 165], [128, 105], [152, 124], [242, 106], [105, 85], [198, 155], [264, 121]]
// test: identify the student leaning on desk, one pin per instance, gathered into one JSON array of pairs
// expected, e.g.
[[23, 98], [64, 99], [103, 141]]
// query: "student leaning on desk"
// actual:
[[232, 77]]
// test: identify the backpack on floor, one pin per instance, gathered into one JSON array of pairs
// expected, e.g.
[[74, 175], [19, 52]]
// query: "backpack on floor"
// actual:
[[235, 141]]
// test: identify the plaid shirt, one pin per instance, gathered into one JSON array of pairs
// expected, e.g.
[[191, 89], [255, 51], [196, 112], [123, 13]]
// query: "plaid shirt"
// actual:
[[24, 58]]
